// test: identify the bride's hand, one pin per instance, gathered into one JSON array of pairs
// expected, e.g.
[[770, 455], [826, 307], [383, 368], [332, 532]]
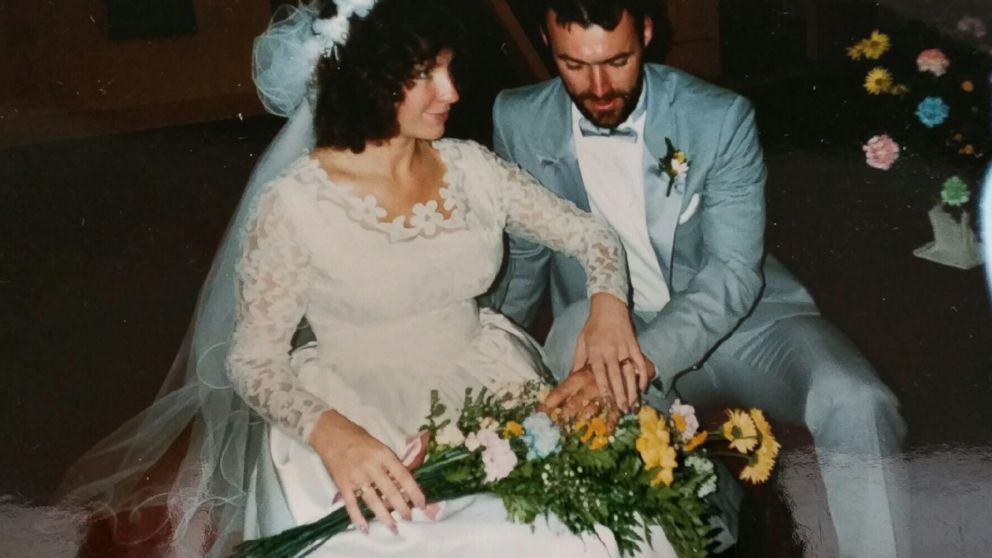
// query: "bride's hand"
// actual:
[[606, 342], [363, 467]]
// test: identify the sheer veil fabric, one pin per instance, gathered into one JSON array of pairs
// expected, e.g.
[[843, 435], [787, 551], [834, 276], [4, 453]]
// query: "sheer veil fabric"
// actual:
[[206, 502]]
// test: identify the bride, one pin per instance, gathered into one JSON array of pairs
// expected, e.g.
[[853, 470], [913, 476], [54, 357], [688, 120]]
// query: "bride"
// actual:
[[381, 235]]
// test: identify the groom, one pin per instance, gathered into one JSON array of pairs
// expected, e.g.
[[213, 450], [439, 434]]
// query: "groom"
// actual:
[[674, 165]]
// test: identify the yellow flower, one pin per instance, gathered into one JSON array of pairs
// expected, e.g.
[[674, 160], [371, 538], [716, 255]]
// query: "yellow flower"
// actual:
[[647, 417], [759, 466], [696, 441], [667, 472], [898, 89], [740, 431], [679, 421], [768, 444], [654, 444], [857, 51], [513, 429], [679, 156], [596, 433], [876, 45], [878, 81]]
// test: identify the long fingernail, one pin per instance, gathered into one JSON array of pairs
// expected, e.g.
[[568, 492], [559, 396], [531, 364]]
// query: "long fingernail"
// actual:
[[364, 529], [394, 529]]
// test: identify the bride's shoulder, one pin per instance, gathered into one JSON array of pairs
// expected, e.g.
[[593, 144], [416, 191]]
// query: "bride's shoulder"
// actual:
[[299, 178], [465, 151]]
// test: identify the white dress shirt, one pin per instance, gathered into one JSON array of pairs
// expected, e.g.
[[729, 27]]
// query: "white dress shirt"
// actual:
[[612, 170]]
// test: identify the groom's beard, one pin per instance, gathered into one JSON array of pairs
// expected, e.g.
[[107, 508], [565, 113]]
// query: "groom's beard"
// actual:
[[614, 117]]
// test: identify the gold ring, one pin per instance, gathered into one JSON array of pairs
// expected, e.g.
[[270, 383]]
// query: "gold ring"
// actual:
[[363, 490]]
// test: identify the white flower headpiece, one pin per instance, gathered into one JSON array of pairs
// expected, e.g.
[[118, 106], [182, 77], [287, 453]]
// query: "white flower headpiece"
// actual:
[[332, 33]]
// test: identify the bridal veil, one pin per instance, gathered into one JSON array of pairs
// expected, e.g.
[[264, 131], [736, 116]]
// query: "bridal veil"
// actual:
[[208, 495]]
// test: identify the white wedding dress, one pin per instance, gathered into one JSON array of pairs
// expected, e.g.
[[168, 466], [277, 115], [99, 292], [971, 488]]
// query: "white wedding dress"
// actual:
[[392, 306]]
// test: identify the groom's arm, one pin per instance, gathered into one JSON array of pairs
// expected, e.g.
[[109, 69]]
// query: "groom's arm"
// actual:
[[518, 292], [729, 281]]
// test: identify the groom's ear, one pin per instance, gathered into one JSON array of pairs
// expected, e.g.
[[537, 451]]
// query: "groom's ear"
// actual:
[[648, 30]]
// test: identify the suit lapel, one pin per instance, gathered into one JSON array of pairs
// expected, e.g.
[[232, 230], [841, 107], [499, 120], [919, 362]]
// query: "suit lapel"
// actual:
[[559, 167], [661, 208]]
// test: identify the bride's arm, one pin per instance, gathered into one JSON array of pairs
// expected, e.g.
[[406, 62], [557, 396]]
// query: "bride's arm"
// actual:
[[275, 275], [536, 214]]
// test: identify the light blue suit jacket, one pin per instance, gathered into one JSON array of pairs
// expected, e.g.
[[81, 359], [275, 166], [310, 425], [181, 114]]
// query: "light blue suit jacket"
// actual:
[[711, 255]]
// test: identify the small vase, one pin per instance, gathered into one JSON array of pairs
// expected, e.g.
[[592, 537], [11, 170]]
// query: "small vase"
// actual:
[[954, 243]]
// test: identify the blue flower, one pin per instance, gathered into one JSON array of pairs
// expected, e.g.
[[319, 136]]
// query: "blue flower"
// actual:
[[932, 111], [541, 436]]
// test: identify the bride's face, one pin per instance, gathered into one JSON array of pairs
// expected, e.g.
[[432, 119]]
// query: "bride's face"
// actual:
[[424, 110]]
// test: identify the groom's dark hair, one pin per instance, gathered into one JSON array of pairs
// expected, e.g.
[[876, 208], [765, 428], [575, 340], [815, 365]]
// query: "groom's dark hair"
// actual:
[[586, 13]]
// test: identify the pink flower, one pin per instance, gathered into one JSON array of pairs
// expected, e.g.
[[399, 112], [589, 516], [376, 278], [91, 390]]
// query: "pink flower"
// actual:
[[932, 60], [498, 458], [972, 25], [690, 424], [881, 151]]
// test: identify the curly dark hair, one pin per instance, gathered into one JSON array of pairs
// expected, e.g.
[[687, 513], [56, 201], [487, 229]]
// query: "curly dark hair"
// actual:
[[361, 86], [602, 13]]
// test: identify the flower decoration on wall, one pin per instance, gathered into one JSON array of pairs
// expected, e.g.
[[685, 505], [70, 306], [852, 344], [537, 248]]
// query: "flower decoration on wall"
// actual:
[[971, 25], [933, 60], [881, 152], [944, 95], [872, 48], [954, 192], [932, 111]]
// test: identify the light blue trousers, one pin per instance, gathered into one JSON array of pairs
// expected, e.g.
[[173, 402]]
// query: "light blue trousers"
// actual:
[[802, 370]]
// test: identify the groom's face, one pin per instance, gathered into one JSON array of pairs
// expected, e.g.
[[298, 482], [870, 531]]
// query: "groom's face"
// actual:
[[601, 68]]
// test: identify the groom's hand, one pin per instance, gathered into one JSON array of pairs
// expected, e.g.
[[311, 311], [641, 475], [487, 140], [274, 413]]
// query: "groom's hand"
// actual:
[[606, 344], [579, 397]]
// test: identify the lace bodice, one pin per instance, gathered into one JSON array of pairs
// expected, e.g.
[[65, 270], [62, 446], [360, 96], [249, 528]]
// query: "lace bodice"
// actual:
[[372, 288]]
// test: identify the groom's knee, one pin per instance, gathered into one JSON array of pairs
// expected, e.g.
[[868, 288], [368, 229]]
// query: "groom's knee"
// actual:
[[559, 348], [856, 407]]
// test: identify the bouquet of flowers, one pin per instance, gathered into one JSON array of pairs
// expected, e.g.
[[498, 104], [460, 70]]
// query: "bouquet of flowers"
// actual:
[[626, 474]]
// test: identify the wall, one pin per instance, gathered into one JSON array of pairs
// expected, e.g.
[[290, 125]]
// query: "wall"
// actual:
[[64, 78]]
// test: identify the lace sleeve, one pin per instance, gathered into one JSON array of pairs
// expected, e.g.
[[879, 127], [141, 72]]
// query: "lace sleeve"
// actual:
[[274, 276], [536, 214]]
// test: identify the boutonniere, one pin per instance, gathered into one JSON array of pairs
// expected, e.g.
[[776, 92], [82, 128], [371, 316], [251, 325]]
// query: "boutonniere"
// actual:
[[675, 164]]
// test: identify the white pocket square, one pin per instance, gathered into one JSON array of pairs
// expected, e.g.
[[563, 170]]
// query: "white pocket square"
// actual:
[[690, 209]]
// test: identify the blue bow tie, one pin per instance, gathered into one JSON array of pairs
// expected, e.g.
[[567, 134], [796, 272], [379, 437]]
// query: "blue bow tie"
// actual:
[[625, 133]]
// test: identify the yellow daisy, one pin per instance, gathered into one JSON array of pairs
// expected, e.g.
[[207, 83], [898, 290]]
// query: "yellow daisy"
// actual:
[[878, 81], [759, 466], [876, 45], [857, 51], [768, 442], [513, 429], [740, 431]]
